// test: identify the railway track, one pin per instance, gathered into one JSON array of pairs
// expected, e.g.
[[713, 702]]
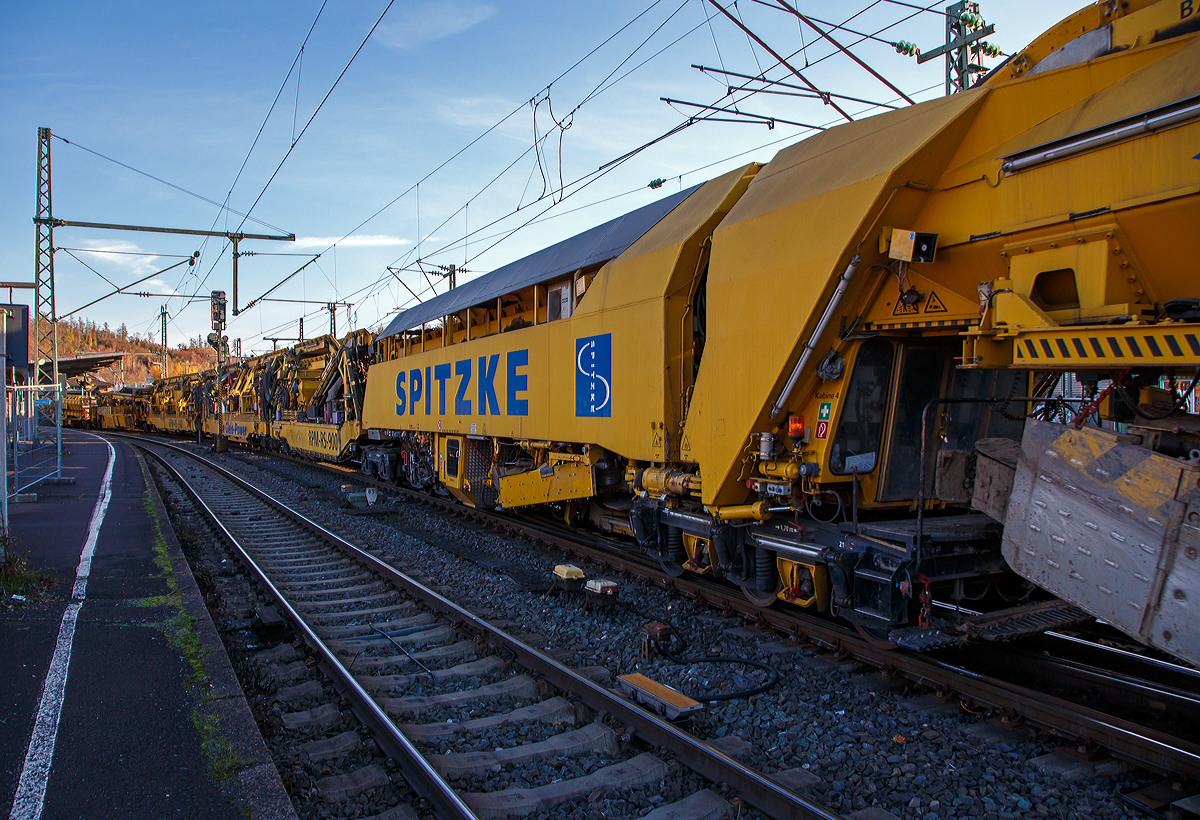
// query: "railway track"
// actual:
[[1149, 708], [423, 673]]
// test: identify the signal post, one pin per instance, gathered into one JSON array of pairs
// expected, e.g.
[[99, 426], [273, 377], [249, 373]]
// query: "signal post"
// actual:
[[219, 343]]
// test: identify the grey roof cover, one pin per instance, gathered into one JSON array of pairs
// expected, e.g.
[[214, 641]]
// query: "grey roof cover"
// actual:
[[597, 245]]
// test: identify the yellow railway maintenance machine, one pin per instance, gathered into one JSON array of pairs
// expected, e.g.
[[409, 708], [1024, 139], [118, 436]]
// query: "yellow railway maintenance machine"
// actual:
[[122, 409], [175, 404], [306, 399], [79, 408], [812, 377]]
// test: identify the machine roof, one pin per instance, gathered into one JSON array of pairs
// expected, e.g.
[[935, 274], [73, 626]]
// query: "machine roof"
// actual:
[[594, 246]]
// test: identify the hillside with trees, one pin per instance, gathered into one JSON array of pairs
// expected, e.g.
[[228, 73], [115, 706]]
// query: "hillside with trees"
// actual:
[[78, 336]]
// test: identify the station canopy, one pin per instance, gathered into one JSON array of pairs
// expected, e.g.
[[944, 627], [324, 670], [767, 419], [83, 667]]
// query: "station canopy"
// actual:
[[73, 366], [592, 247]]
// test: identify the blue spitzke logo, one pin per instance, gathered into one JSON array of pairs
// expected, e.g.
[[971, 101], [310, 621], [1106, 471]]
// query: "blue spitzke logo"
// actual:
[[593, 376]]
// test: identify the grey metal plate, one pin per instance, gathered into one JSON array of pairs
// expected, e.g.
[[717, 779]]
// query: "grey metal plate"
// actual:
[[1176, 625], [1091, 520]]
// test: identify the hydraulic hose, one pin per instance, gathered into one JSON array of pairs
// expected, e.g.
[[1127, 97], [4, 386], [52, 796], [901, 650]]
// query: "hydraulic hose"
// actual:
[[713, 697]]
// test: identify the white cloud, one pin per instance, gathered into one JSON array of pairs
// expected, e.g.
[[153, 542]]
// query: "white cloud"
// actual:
[[483, 112], [121, 253], [158, 287], [424, 22], [354, 241]]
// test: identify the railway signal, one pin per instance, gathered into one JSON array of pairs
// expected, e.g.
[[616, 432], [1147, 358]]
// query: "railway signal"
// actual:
[[218, 310]]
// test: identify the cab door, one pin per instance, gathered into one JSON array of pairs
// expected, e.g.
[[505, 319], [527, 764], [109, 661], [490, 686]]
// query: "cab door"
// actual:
[[450, 461]]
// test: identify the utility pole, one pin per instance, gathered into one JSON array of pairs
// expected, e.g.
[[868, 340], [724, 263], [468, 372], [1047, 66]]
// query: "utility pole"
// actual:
[[301, 334], [964, 49], [162, 314], [46, 333], [332, 319], [449, 272]]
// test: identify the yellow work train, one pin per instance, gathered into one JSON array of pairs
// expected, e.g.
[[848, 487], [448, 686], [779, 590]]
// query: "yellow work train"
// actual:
[[839, 379]]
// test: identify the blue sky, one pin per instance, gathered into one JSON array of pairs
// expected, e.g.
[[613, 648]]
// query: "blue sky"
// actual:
[[180, 91]]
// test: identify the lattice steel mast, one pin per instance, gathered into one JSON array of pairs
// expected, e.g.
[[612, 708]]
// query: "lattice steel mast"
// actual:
[[46, 332]]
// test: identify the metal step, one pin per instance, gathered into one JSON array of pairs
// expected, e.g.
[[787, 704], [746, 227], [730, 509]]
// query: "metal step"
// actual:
[[924, 638], [1030, 619]]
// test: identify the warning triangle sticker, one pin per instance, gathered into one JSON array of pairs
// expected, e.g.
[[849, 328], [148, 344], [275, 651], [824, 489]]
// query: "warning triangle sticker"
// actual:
[[933, 304], [901, 309]]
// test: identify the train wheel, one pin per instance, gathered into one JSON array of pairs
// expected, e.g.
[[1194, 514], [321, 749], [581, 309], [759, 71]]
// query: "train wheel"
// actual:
[[760, 598]]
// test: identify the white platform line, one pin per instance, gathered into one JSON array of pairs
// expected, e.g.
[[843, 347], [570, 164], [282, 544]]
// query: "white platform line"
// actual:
[[31, 790]]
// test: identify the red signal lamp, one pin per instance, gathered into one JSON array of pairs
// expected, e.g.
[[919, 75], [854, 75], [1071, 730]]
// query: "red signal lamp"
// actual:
[[795, 428]]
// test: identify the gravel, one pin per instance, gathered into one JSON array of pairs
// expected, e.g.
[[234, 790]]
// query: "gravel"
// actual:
[[866, 747], [231, 602]]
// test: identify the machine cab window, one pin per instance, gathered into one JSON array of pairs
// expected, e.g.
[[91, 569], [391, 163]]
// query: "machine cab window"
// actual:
[[856, 442]]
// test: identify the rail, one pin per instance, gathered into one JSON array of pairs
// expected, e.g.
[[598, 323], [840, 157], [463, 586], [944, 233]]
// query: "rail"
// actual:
[[753, 787]]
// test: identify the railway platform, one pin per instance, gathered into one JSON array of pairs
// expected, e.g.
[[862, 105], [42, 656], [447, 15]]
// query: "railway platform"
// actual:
[[118, 697]]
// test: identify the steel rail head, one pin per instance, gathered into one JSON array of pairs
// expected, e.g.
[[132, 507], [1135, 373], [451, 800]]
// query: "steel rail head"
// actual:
[[755, 788], [1124, 739], [423, 778]]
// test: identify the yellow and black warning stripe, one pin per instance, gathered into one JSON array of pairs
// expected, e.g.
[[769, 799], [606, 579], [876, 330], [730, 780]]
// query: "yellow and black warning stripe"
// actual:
[[876, 326], [1116, 347]]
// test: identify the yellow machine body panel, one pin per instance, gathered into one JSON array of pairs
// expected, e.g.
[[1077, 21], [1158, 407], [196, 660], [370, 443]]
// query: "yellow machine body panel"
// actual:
[[1046, 243], [237, 427], [1094, 29], [777, 257], [325, 441], [172, 407], [550, 484], [529, 382]]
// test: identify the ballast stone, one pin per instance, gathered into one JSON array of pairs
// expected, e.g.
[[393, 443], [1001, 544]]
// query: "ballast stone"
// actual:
[[638, 771]]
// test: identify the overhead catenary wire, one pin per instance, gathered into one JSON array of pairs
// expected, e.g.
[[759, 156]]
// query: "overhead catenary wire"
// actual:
[[562, 187], [250, 151], [845, 50], [223, 206], [622, 158], [316, 111], [563, 74], [539, 218], [473, 235], [122, 289], [919, 9], [542, 217]]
